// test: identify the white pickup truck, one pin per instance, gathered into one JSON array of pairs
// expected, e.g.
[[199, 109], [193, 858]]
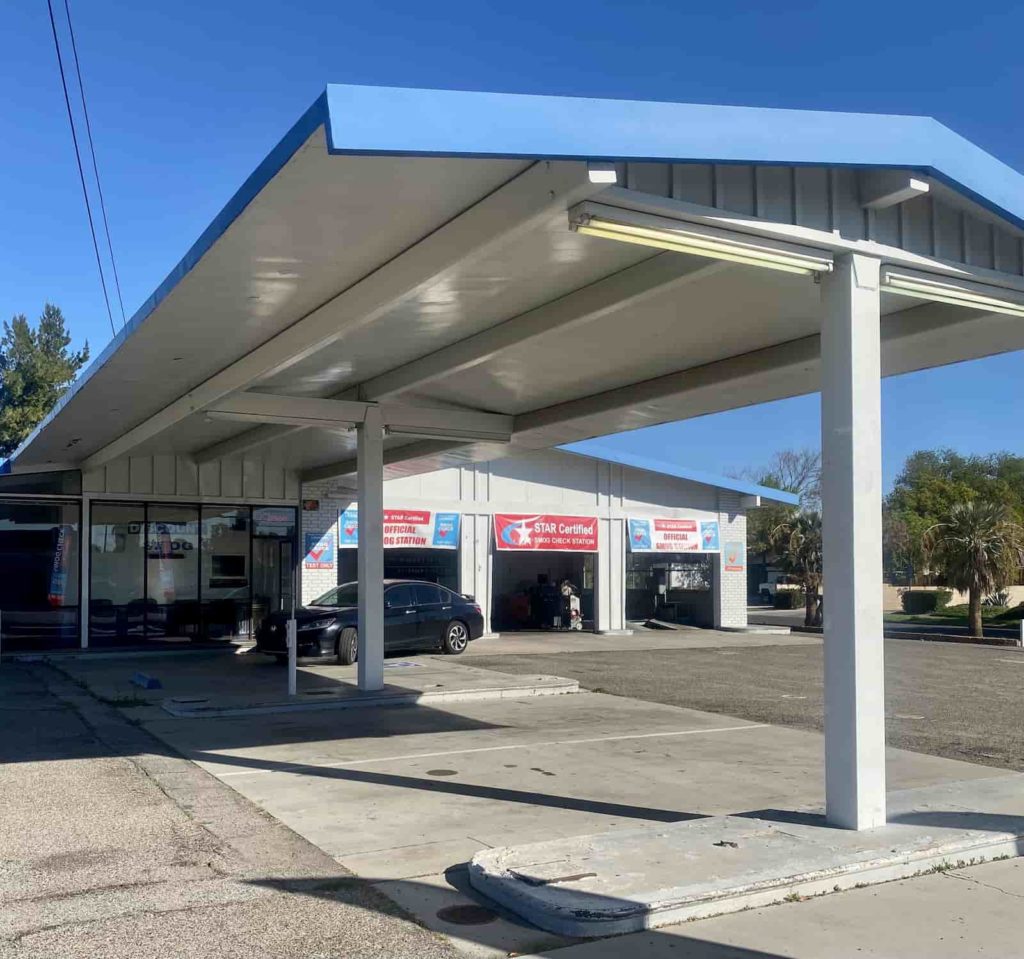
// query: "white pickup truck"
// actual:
[[776, 583]]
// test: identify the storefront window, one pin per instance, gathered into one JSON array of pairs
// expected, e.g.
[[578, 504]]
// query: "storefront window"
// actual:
[[39, 570], [273, 542], [225, 581], [172, 572], [117, 601]]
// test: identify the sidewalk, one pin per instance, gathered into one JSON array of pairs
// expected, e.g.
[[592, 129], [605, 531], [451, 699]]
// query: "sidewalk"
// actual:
[[113, 847]]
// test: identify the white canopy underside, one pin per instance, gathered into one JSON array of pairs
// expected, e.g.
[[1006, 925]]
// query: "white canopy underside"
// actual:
[[326, 222]]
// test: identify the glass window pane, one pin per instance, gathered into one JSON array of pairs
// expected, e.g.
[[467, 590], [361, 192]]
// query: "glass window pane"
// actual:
[[427, 595], [116, 567], [398, 596], [39, 569], [225, 582], [172, 572], [273, 532]]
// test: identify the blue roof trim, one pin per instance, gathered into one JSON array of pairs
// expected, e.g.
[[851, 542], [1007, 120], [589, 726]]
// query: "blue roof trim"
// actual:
[[406, 121], [313, 118], [596, 451]]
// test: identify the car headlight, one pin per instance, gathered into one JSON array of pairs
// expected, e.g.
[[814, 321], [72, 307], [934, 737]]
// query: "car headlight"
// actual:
[[317, 624]]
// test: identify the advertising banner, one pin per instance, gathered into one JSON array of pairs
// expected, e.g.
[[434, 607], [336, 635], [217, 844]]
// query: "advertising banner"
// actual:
[[545, 532], [666, 535], [320, 550], [735, 558], [405, 529]]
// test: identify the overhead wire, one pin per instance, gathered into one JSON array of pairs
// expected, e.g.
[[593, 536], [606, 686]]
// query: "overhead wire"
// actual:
[[95, 165], [81, 172]]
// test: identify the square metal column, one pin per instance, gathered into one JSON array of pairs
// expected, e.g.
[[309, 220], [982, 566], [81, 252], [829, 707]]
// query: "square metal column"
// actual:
[[851, 494], [370, 558]]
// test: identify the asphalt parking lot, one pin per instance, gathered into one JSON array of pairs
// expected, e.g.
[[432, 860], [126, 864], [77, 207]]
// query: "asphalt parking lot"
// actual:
[[958, 702]]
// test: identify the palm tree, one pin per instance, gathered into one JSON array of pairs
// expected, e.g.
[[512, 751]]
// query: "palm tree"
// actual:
[[798, 543], [978, 548]]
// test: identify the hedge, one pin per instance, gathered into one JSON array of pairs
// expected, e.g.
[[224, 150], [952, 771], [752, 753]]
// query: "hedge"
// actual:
[[919, 601], [789, 599]]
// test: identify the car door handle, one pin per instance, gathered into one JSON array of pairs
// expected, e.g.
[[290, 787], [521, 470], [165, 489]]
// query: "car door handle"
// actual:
[[409, 612]]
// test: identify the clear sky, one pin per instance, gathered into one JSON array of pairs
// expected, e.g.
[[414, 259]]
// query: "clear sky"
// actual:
[[186, 98]]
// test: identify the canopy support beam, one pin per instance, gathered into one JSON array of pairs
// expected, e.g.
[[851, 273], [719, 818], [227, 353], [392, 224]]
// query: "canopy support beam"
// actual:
[[851, 495]]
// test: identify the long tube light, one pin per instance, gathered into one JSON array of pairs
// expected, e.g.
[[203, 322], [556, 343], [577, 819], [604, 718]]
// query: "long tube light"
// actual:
[[949, 292], [439, 433], [663, 233]]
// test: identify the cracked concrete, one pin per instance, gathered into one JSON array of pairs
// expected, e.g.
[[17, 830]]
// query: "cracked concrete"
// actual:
[[114, 847]]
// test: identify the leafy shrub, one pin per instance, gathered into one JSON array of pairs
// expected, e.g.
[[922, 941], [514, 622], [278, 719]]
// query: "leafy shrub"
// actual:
[[917, 601], [1000, 597], [789, 599]]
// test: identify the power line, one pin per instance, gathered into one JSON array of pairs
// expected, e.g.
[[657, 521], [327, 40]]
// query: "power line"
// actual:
[[81, 173], [95, 166]]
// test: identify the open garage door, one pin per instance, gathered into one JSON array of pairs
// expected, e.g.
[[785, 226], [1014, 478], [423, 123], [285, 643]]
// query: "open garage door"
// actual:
[[533, 556], [671, 569]]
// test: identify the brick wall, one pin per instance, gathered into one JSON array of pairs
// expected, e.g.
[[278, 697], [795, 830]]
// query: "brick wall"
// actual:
[[332, 501], [731, 585]]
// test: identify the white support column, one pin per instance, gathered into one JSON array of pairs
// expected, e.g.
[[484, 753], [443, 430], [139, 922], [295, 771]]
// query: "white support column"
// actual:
[[852, 533], [370, 472]]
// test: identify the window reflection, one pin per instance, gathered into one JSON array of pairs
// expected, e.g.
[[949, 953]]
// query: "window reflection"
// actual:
[[225, 581], [39, 574]]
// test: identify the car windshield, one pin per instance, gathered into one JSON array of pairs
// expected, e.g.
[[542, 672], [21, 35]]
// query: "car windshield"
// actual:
[[345, 595]]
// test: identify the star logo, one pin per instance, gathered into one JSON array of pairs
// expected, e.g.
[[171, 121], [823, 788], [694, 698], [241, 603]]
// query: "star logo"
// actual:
[[523, 533]]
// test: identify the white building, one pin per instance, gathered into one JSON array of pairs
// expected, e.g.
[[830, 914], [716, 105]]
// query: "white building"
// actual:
[[650, 540]]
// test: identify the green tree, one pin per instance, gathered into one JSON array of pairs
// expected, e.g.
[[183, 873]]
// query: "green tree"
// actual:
[[978, 548], [797, 541], [36, 367]]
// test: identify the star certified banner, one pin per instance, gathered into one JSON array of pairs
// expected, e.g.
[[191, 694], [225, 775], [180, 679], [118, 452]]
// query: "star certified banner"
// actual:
[[547, 532], [666, 535], [405, 529]]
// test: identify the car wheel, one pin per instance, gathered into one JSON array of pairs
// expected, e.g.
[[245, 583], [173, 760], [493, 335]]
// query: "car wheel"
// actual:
[[348, 646], [456, 638]]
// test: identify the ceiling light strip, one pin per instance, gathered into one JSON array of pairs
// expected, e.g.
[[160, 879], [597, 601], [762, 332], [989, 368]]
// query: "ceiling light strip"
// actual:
[[958, 294], [663, 233]]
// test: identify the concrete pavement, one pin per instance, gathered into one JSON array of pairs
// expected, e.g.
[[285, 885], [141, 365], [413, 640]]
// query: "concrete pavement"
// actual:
[[112, 847]]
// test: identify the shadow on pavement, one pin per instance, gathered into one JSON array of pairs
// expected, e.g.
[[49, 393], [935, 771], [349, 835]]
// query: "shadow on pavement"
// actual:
[[454, 788], [477, 921]]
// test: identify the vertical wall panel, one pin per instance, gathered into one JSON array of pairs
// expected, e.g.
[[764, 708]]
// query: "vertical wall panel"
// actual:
[[813, 198], [252, 478], [209, 478], [231, 478], [917, 225], [118, 480], [1008, 252], [95, 480], [979, 243], [774, 193], [735, 188], [653, 178], [948, 236], [164, 475], [187, 477], [885, 225], [692, 182], [273, 482], [847, 213]]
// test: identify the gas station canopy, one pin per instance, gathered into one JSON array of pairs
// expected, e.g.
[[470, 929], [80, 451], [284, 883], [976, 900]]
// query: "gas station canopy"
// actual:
[[494, 268]]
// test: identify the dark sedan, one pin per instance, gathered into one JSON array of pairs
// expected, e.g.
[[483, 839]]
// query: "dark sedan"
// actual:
[[416, 616]]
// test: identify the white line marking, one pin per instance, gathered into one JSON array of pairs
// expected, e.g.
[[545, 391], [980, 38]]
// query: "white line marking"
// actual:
[[486, 749], [1016, 662]]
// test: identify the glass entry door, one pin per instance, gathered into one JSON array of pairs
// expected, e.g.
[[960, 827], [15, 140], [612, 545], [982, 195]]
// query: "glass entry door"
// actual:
[[273, 561]]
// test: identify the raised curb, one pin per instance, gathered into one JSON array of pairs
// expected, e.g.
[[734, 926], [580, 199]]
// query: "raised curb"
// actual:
[[631, 880], [314, 702]]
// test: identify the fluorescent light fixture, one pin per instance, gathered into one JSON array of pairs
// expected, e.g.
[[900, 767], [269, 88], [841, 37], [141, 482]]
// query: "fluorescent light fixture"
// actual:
[[663, 233], [440, 433], [602, 173], [959, 292]]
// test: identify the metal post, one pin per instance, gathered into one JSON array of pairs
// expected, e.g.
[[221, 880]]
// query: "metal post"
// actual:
[[851, 494], [292, 633], [370, 468]]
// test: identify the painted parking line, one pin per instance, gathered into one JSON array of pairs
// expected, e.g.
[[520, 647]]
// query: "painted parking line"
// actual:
[[495, 749]]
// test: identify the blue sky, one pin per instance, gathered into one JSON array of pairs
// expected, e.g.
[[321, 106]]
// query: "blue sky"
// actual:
[[185, 99]]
